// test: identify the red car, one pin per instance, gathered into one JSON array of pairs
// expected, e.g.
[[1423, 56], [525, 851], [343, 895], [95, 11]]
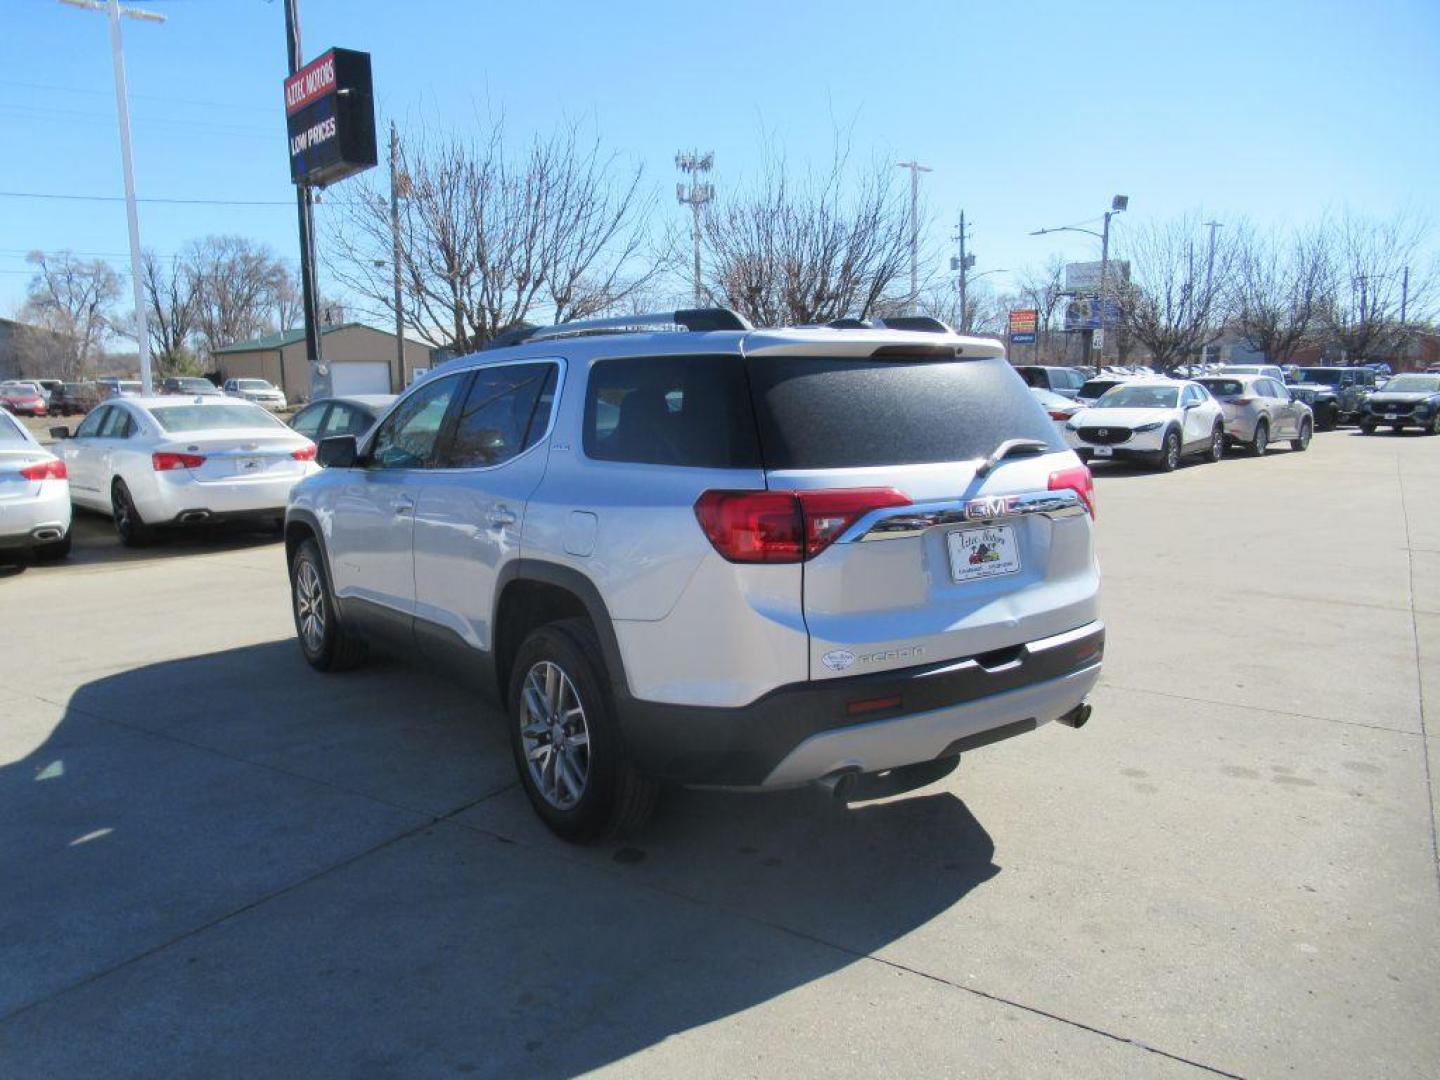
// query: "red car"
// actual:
[[22, 400]]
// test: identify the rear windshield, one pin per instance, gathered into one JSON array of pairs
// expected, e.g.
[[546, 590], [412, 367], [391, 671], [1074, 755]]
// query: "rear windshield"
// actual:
[[10, 430], [1095, 387], [826, 413], [221, 414], [1223, 387]]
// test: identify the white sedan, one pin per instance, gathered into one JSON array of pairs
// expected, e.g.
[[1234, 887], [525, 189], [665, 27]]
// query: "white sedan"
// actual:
[[161, 461], [34, 495], [1156, 421]]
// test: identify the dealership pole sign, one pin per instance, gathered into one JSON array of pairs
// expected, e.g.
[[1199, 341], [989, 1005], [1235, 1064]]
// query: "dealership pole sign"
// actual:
[[330, 115], [1023, 322]]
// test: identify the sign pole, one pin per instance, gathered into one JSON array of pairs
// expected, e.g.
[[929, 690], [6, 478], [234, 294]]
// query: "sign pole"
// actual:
[[319, 378]]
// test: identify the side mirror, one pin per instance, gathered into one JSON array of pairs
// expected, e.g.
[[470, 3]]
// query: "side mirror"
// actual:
[[60, 433], [337, 452]]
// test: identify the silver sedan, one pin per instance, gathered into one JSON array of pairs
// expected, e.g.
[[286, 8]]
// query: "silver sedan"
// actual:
[[163, 461], [34, 495]]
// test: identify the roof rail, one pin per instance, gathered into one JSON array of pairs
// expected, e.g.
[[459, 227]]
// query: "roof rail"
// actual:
[[696, 320]]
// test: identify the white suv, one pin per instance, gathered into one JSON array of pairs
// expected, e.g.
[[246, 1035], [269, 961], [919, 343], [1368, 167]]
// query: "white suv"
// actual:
[[260, 391], [1154, 421], [682, 549]]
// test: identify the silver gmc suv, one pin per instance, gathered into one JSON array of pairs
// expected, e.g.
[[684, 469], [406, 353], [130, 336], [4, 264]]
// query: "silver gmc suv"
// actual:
[[681, 549]]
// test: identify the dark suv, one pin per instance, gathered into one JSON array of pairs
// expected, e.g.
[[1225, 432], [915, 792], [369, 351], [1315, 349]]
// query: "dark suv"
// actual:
[[1349, 388]]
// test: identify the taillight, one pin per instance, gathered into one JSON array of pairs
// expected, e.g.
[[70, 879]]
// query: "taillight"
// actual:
[[305, 453], [1055, 414], [1237, 400], [46, 470], [785, 526], [1077, 480], [167, 462]]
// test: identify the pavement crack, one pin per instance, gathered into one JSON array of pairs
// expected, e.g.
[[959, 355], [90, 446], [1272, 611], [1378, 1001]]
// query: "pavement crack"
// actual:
[[1419, 674]]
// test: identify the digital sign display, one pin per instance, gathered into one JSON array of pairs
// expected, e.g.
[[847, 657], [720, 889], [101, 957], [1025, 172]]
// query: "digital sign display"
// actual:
[[330, 118]]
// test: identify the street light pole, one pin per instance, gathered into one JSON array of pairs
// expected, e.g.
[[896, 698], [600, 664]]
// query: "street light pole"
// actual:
[[1118, 205], [132, 214], [915, 170]]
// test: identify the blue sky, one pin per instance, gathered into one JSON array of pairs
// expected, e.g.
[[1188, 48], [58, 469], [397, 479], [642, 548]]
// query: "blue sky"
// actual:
[[1030, 113]]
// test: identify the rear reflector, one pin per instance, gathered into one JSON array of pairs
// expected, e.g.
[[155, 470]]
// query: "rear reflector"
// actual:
[[168, 462], [785, 526], [1077, 480], [305, 453], [46, 470], [869, 705]]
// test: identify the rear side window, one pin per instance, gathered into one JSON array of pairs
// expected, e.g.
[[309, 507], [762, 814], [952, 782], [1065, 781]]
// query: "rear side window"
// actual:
[[1224, 387], [828, 413], [1034, 376], [501, 416], [1095, 387], [680, 410], [10, 430]]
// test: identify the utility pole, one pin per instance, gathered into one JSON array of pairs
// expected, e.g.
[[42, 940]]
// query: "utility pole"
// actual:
[[395, 254], [1404, 296], [915, 170], [132, 215], [1209, 273], [966, 261], [304, 202], [695, 195]]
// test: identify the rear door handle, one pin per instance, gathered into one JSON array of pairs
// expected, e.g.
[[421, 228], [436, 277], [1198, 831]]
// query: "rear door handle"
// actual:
[[501, 515], [402, 505]]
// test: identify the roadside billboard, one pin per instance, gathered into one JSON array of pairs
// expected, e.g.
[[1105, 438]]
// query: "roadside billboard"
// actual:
[[1084, 277], [1023, 324], [1087, 313], [330, 117]]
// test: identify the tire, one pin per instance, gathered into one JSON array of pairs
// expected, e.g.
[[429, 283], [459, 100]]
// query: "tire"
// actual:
[[1329, 421], [55, 550], [324, 642], [1168, 460], [130, 527], [1217, 445], [1366, 429], [1302, 442], [1434, 428], [589, 790], [1261, 441]]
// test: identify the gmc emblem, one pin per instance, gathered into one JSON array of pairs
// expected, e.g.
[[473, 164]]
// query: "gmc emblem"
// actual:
[[990, 507]]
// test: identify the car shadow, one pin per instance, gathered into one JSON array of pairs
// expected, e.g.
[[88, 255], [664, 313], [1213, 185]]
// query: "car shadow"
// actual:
[[94, 541], [288, 872]]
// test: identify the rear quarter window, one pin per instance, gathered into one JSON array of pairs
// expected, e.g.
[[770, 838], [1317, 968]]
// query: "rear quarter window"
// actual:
[[834, 413], [686, 410]]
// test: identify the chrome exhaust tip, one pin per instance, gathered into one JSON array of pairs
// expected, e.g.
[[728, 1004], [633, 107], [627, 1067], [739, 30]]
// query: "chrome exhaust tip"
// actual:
[[839, 785], [46, 535], [1077, 717], [189, 517]]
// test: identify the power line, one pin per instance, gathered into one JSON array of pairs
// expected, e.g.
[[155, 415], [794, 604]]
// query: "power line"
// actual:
[[46, 111], [162, 201]]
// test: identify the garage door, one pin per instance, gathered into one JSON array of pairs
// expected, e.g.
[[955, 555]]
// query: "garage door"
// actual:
[[360, 377]]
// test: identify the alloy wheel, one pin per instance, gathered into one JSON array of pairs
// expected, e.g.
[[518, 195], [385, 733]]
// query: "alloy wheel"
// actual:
[[1172, 452], [555, 735], [310, 605], [1262, 439]]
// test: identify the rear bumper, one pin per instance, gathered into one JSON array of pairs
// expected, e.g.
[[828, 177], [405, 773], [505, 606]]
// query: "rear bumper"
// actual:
[[28, 523], [177, 498], [803, 732]]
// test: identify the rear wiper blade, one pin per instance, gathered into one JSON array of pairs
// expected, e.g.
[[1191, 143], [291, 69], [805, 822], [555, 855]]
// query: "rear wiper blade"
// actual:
[[1008, 449]]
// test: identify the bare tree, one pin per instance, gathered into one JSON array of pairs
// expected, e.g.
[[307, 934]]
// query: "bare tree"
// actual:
[[1279, 289], [1043, 288], [490, 239], [785, 251], [986, 311], [70, 305], [235, 281], [172, 305], [1176, 301], [1368, 280]]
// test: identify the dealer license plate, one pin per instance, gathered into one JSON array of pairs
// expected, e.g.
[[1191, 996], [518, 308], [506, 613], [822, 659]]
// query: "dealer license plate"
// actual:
[[249, 466], [975, 554], [1103, 451], [1391, 416]]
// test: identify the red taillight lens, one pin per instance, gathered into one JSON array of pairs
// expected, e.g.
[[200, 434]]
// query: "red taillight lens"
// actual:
[[168, 462], [1077, 480], [1237, 400], [1057, 415], [305, 453], [785, 526], [46, 470]]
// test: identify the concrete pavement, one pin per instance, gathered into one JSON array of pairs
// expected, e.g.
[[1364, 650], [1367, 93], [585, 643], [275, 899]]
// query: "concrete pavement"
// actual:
[[215, 862]]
